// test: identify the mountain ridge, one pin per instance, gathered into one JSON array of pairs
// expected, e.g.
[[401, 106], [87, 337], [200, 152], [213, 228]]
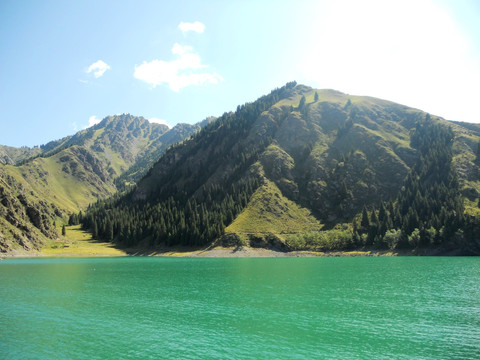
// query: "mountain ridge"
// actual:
[[330, 153], [299, 168]]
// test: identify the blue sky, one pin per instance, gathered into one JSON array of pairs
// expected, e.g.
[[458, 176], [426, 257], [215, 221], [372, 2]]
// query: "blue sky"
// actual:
[[65, 65]]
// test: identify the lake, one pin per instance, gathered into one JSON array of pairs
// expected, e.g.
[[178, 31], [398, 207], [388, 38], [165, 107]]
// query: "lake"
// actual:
[[240, 308]]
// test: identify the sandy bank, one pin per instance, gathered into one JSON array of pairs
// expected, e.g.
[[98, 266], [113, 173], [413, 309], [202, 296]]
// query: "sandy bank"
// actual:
[[262, 252], [213, 252]]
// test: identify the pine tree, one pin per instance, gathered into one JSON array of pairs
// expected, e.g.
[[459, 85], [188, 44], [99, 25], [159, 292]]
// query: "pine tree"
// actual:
[[95, 230], [365, 223], [301, 105], [110, 234], [382, 213]]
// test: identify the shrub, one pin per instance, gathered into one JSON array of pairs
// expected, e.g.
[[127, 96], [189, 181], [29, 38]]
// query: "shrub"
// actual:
[[321, 240], [392, 238]]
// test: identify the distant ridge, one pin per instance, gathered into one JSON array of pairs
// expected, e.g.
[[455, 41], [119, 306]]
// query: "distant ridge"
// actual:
[[47, 183]]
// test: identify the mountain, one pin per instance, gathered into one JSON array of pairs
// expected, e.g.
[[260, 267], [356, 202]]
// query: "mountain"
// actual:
[[42, 184], [302, 168], [12, 155]]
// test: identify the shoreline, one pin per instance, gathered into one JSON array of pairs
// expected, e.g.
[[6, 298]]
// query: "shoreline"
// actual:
[[214, 252], [79, 244], [219, 252]]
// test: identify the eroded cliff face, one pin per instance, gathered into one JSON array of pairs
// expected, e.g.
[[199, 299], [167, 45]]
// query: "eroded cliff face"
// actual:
[[26, 221]]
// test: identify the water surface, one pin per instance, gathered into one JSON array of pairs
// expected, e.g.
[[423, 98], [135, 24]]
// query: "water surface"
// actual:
[[233, 308]]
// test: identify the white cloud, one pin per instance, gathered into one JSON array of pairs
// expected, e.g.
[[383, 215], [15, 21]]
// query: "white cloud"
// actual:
[[159, 121], [98, 68], [410, 52], [196, 26], [92, 120], [181, 49], [178, 73]]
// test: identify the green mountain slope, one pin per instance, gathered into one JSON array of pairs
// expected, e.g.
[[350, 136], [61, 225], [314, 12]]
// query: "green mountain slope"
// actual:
[[268, 212], [296, 160], [66, 175], [12, 155]]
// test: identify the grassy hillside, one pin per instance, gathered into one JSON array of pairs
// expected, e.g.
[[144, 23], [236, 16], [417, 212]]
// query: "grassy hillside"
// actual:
[[66, 179], [78, 242], [269, 212]]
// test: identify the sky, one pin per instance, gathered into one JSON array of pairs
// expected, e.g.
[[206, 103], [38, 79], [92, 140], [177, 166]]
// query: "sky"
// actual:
[[65, 65]]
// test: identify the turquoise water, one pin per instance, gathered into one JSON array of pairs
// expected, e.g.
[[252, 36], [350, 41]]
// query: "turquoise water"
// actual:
[[240, 308]]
